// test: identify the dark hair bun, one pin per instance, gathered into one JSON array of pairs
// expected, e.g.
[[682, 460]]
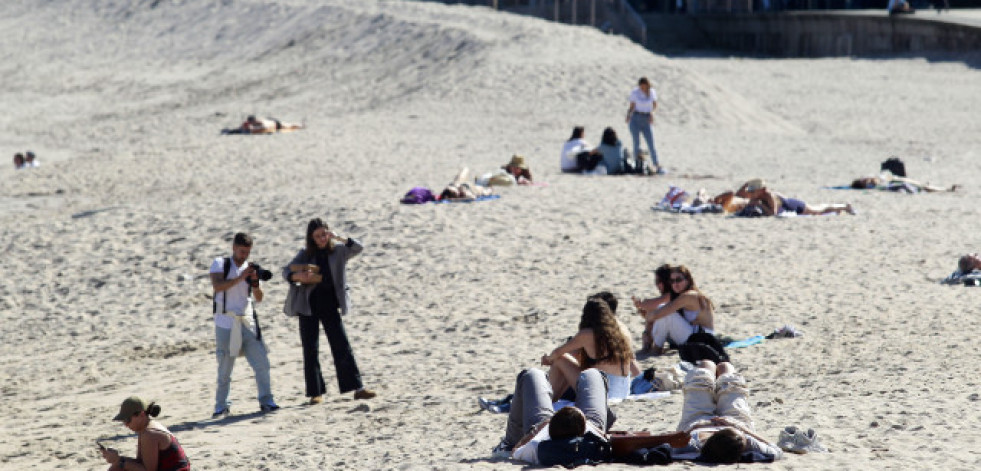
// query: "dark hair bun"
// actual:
[[153, 410]]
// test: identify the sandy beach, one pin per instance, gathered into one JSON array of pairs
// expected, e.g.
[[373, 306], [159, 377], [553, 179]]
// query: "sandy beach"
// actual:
[[106, 245]]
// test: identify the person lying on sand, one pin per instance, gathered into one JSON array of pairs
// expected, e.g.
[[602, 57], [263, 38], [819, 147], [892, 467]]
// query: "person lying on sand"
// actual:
[[531, 420], [461, 188], [888, 181], [518, 169], [755, 194], [252, 125], [716, 414]]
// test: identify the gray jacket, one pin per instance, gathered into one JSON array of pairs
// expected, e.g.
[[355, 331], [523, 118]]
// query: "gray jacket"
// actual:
[[337, 261]]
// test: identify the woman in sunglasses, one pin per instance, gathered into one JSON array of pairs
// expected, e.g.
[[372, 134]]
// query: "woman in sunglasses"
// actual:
[[157, 449], [689, 311]]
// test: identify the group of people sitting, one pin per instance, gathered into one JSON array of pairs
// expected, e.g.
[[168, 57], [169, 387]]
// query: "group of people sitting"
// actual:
[[25, 160], [609, 158], [597, 365]]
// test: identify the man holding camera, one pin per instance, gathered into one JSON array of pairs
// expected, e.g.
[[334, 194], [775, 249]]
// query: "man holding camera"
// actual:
[[237, 287]]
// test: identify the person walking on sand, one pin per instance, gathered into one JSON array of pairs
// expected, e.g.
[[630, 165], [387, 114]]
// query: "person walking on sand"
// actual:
[[237, 288], [640, 118], [157, 449], [320, 270]]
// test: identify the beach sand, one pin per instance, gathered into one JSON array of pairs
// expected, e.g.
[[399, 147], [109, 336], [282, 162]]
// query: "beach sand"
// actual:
[[106, 246]]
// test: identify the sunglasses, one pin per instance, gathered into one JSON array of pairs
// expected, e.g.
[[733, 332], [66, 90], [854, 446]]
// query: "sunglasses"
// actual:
[[678, 280]]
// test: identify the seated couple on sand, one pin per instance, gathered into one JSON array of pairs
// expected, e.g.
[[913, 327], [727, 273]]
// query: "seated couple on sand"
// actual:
[[610, 158], [753, 198], [968, 271], [253, 125], [27, 160], [716, 424], [679, 311]]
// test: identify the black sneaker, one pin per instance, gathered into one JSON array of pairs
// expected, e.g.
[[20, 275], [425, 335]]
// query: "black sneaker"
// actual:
[[221, 413], [269, 407]]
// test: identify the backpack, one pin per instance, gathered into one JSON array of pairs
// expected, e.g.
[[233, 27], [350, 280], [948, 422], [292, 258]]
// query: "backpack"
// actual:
[[894, 166], [418, 195], [575, 451], [702, 346]]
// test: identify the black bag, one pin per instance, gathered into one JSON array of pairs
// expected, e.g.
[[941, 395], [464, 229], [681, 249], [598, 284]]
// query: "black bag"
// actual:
[[703, 346], [576, 451], [894, 166], [587, 161]]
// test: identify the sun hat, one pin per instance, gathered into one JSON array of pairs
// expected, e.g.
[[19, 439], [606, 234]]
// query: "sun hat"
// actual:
[[755, 184], [517, 161], [131, 406]]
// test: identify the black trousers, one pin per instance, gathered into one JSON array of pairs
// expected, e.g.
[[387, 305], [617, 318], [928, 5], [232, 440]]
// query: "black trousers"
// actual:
[[348, 375]]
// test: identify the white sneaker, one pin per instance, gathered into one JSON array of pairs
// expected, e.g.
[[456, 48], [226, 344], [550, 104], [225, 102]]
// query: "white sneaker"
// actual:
[[795, 440]]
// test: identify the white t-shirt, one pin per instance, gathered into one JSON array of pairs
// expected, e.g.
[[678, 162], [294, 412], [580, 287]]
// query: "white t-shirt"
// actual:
[[529, 451], [643, 103], [569, 151], [238, 295]]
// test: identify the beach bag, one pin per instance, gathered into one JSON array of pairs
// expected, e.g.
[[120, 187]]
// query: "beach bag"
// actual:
[[894, 166], [576, 451], [418, 195], [702, 346]]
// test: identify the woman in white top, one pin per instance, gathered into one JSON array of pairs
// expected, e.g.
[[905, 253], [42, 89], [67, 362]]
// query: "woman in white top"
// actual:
[[577, 145], [640, 117], [689, 311]]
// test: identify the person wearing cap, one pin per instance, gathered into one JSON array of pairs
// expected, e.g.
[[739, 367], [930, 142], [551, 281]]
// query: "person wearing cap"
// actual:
[[518, 169], [157, 449]]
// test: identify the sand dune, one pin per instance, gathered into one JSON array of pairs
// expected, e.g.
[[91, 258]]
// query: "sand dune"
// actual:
[[106, 246]]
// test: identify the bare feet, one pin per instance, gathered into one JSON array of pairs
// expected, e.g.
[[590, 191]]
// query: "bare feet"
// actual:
[[850, 209]]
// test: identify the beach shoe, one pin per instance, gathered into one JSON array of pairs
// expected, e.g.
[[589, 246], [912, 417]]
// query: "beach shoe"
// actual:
[[221, 413], [502, 450], [661, 171], [316, 400], [795, 440], [785, 332], [271, 407], [364, 394]]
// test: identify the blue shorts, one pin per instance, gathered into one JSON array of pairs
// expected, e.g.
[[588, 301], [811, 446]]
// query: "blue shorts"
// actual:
[[795, 205]]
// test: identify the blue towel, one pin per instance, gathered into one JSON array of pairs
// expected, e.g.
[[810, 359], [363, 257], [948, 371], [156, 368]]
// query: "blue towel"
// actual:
[[747, 342], [479, 198]]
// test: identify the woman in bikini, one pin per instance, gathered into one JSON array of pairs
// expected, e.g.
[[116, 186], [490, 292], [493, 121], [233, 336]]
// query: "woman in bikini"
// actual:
[[602, 345], [157, 449], [689, 311]]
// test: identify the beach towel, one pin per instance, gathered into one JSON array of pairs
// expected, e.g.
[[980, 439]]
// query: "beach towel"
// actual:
[[479, 198], [746, 342]]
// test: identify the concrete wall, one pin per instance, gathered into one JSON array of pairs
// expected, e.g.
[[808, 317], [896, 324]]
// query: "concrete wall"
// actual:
[[815, 34]]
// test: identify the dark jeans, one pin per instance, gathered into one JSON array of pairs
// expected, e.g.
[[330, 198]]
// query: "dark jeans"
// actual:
[[348, 375]]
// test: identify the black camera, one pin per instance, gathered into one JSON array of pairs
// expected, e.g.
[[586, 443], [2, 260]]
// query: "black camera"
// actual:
[[262, 274]]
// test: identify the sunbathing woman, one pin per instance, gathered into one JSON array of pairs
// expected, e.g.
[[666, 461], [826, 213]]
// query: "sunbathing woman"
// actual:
[[662, 280], [688, 312], [603, 346], [518, 169], [461, 188], [888, 181], [252, 125]]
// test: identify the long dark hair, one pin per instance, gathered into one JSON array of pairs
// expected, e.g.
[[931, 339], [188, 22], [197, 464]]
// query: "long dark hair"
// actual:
[[609, 137], [703, 300], [577, 133], [311, 247], [610, 342], [662, 274]]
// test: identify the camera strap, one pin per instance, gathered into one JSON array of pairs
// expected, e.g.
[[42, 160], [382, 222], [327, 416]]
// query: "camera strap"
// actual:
[[255, 317]]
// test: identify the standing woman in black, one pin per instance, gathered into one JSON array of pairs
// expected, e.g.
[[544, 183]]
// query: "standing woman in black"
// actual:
[[319, 269]]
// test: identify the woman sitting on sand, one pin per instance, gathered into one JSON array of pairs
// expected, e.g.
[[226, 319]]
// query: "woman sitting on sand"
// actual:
[[662, 280], [689, 311], [616, 158], [157, 449], [603, 346], [578, 156]]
